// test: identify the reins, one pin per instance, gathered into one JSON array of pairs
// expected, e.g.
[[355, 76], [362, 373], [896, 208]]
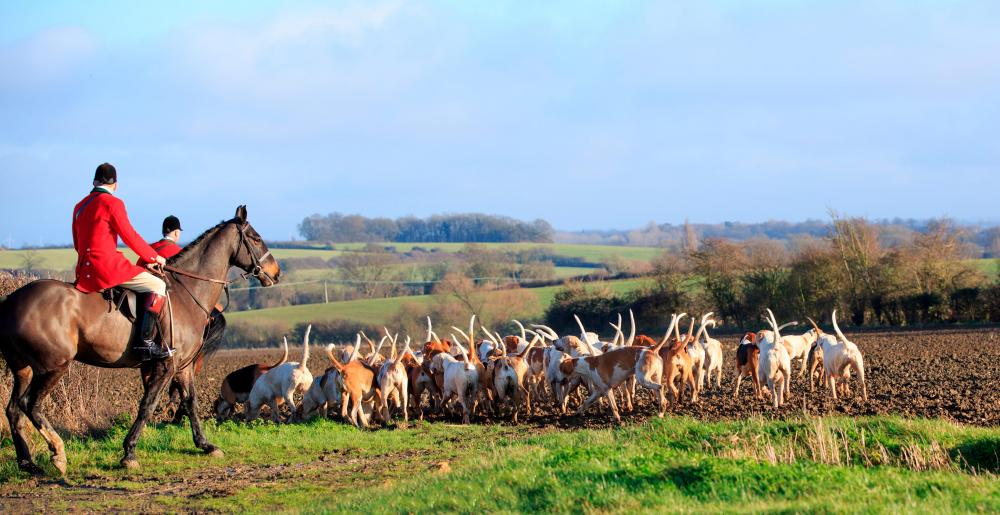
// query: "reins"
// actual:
[[193, 275]]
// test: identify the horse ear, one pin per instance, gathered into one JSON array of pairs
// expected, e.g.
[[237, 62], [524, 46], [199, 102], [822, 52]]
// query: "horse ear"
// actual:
[[241, 213]]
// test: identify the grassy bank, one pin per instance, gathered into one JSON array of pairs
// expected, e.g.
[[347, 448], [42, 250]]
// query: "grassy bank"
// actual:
[[673, 464]]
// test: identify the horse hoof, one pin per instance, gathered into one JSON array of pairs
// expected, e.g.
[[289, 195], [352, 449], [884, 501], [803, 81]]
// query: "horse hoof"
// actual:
[[215, 452], [59, 462], [130, 463]]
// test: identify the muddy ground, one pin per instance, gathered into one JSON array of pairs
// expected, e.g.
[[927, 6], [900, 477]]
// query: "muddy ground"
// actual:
[[950, 374]]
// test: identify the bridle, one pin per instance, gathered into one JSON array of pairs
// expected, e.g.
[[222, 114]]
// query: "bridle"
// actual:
[[256, 269]]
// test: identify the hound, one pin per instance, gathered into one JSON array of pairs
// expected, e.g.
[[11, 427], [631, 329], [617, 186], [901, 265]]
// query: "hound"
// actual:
[[677, 362], [461, 379], [798, 346], [840, 356], [747, 359], [394, 383], [774, 367], [510, 373], [280, 384], [604, 372], [357, 385], [713, 351], [237, 385]]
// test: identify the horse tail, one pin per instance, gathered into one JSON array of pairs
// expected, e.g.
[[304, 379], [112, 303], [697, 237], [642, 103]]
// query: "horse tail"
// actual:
[[213, 334]]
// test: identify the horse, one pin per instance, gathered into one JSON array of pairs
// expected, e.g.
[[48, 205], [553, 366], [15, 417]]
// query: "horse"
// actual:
[[47, 324]]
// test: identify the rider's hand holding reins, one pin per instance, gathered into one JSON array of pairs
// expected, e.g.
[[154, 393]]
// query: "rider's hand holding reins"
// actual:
[[157, 266]]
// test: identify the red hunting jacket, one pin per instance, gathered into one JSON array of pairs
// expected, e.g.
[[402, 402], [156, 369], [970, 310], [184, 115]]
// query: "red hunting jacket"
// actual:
[[165, 247], [98, 221]]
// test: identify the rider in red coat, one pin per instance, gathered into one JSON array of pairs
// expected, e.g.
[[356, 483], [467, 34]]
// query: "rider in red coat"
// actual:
[[167, 246], [99, 220]]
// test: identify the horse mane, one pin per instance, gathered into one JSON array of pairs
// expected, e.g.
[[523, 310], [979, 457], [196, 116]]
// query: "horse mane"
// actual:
[[197, 241]]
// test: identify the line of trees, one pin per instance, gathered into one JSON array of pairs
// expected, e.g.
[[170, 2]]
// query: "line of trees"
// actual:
[[926, 279], [983, 240], [458, 228]]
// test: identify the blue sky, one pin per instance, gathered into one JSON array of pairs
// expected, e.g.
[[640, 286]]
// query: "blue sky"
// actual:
[[588, 114]]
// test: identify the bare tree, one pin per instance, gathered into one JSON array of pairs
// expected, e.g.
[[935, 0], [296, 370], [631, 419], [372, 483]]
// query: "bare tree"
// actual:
[[369, 272], [31, 260]]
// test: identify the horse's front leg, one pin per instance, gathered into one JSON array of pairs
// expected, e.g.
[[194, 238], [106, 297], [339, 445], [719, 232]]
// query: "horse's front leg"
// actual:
[[189, 402], [157, 376]]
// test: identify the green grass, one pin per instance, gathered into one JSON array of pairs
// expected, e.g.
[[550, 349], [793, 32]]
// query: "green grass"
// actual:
[[671, 464], [380, 311], [987, 266]]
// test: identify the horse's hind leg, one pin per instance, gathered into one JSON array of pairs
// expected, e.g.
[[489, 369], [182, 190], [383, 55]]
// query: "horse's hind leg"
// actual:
[[41, 384], [189, 403], [22, 380], [159, 376]]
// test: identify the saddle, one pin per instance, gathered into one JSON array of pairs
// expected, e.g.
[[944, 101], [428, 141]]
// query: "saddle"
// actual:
[[122, 300]]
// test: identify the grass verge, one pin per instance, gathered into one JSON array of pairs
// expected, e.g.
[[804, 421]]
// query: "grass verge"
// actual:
[[671, 464]]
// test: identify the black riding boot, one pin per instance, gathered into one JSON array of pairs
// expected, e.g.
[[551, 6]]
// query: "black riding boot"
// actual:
[[146, 347]]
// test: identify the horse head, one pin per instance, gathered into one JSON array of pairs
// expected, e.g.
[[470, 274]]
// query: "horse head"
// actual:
[[251, 254]]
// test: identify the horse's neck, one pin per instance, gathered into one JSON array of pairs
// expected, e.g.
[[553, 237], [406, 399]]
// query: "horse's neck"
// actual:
[[210, 258]]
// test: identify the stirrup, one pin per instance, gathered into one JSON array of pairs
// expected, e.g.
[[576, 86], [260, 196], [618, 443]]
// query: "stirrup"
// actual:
[[152, 352]]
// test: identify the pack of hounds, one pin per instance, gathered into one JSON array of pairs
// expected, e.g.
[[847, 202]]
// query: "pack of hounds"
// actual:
[[508, 376]]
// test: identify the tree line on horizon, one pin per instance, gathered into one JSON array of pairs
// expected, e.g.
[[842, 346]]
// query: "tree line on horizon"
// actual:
[[927, 279], [447, 228]]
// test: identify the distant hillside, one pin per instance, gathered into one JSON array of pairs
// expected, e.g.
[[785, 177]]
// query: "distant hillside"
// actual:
[[984, 237]]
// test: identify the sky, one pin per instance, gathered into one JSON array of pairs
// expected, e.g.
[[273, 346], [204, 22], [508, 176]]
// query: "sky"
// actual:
[[591, 115]]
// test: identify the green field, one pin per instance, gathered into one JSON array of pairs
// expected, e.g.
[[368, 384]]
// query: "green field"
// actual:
[[675, 464], [380, 311], [64, 259]]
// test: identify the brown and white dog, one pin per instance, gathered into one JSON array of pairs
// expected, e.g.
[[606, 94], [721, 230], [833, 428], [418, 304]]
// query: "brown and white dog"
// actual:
[[357, 385], [747, 357], [677, 362], [393, 382], [237, 385], [280, 384], [604, 372], [510, 372]]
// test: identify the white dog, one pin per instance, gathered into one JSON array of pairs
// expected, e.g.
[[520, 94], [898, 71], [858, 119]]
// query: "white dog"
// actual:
[[461, 379], [774, 367], [840, 356], [322, 395], [713, 351], [280, 384]]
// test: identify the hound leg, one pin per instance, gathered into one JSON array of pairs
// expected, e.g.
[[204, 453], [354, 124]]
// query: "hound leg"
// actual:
[[614, 405], [860, 369]]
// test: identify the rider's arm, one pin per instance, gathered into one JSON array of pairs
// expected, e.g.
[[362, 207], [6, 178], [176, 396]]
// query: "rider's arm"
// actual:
[[122, 226]]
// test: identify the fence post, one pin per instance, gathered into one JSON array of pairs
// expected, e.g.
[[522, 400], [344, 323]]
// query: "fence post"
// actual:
[[326, 294]]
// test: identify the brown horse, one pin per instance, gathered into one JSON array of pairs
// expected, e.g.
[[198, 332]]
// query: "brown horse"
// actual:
[[47, 324]]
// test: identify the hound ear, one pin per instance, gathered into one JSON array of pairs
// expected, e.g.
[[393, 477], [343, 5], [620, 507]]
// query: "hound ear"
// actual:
[[241, 213]]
